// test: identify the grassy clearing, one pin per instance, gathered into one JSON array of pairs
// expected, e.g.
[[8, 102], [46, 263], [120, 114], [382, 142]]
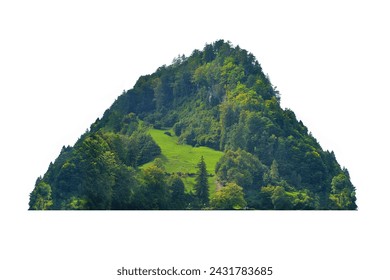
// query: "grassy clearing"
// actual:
[[184, 158]]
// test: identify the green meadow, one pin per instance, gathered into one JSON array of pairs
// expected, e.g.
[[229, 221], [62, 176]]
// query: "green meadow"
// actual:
[[180, 158]]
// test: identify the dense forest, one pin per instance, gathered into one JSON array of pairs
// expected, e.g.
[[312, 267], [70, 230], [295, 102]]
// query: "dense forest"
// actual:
[[221, 115]]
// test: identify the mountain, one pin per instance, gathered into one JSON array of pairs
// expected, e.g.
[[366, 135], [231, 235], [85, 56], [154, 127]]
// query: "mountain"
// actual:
[[206, 132]]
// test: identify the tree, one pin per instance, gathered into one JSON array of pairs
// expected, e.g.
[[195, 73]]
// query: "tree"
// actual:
[[274, 171], [202, 185], [208, 54], [125, 189], [144, 148], [157, 192], [97, 168], [280, 199], [272, 176], [176, 186], [230, 197], [240, 167], [343, 193], [40, 197]]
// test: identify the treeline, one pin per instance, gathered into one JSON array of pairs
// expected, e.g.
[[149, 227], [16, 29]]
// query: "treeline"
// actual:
[[218, 97], [98, 175]]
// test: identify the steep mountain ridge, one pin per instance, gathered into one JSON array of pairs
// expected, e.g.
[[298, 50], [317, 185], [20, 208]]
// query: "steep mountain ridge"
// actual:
[[218, 97]]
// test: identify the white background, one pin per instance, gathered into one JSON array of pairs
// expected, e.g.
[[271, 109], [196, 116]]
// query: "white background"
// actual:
[[62, 63]]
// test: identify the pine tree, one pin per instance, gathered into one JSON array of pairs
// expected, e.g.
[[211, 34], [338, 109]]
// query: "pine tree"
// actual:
[[202, 185]]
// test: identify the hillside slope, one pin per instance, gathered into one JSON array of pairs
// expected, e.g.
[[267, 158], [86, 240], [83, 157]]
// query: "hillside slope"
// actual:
[[218, 98], [182, 159]]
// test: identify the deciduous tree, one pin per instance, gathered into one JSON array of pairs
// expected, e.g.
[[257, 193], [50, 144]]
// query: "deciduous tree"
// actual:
[[229, 197]]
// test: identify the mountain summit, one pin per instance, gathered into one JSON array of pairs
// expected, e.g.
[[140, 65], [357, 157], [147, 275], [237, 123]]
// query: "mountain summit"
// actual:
[[206, 132]]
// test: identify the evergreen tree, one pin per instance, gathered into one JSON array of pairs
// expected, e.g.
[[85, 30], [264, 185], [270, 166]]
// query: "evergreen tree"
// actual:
[[202, 185], [272, 176]]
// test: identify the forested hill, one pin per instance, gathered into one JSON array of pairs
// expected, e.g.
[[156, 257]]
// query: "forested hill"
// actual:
[[222, 116]]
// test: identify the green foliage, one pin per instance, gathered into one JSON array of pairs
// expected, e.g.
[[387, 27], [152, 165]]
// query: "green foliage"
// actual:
[[342, 192], [272, 176], [177, 190], [217, 104], [40, 198], [157, 194], [277, 198], [280, 200], [143, 147], [126, 189], [98, 164], [201, 183], [240, 167], [230, 197], [76, 203]]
